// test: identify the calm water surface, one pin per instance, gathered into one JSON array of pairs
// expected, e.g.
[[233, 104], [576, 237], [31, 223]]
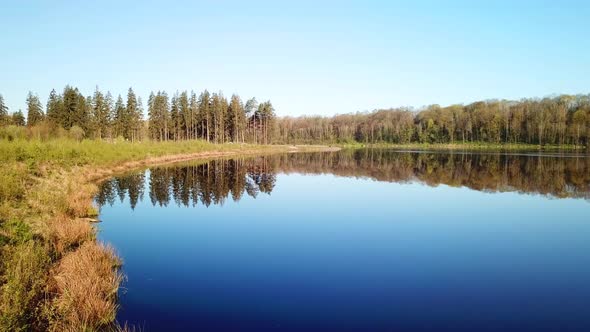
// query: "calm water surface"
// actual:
[[364, 240]]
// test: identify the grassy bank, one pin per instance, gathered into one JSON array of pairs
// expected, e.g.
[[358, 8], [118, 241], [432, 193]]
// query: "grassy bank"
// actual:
[[54, 275], [474, 146]]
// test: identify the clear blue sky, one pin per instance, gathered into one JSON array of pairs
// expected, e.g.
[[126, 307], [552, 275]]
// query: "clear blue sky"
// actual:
[[307, 57]]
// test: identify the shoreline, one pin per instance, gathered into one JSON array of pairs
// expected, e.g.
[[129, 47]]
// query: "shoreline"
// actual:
[[58, 276], [104, 173]]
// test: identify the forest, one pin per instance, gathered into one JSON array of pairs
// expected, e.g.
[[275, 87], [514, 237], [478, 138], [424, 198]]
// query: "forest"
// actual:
[[559, 120]]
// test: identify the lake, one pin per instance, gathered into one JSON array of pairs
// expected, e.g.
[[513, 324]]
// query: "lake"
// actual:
[[355, 240]]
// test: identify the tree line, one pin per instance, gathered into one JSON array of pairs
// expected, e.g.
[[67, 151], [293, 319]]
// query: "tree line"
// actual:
[[184, 116], [564, 119], [559, 120]]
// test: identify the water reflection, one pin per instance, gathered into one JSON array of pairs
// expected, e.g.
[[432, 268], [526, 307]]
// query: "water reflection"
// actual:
[[213, 181]]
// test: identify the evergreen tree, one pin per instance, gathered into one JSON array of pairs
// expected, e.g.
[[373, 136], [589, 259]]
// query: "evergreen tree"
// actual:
[[54, 107], [237, 119], [18, 118], [152, 117], [108, 113], [185, 115], [194, 111], [267, 116], [159, 116], [175, 117], [70, 112], [131, 119], [205, 114], [139, 123], [34, 109], [119, 118], [3, 112], [250, 111], [100, 114]]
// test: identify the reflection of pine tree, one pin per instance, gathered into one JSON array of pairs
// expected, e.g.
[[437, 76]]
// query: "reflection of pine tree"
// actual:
[[160, 186], [121, 186], [136, 184], [106, 193]]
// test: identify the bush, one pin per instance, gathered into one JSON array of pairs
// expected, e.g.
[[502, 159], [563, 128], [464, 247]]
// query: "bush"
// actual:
[[42, 131], [76, 133]]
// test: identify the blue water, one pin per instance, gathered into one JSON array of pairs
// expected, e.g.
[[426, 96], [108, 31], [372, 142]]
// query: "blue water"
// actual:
[[325, 252]]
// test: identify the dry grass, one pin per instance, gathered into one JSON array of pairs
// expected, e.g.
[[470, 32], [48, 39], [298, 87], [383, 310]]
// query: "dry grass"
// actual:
[[65, 234], [86, 284]]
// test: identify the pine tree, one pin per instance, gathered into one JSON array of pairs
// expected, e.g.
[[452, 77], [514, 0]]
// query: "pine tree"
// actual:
[[219, 109], [159, 116], [139, 123], [34, 109], [237, 119], [266, 113], [185, 114], [119, 117], [152, 117], [205, 114], [132, 118], [100, 114], [175, 117], [54, 107], [107, 112], [69, 114], [194, 111], [250, 111], [3, 112], [18, 118]]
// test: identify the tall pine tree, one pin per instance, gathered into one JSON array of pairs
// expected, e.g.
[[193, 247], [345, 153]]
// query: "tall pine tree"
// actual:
[[34, 110], [3, 112]]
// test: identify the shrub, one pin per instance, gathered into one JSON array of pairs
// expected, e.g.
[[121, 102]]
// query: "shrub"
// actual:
[[76, 133]]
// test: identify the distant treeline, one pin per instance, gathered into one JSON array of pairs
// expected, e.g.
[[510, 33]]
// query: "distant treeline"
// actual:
[[212, 182], [559, 120]]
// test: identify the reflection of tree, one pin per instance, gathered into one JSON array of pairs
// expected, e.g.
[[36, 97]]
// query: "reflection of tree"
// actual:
[[208, 183], [135, 188], [106, 193], [131, 186], [213, 181], [553, 175]]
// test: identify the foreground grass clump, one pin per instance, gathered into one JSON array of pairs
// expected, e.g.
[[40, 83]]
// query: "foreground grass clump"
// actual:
[[53, 274], [87, 288]]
